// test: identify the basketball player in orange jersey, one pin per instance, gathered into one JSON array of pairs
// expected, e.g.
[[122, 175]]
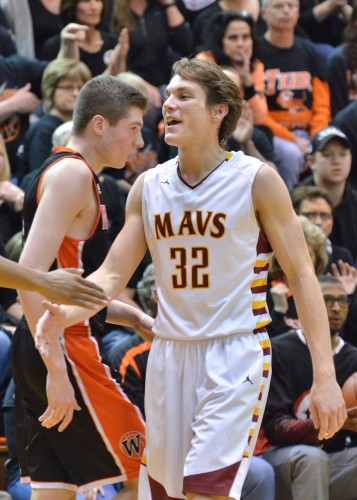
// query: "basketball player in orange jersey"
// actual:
[[210, 219], [65, 223]]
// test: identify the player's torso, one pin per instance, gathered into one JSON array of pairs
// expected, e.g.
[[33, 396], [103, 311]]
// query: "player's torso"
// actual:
[[207, 250], [86, 244]]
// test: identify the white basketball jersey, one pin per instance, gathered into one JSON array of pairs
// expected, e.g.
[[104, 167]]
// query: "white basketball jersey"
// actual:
[[210, 257]]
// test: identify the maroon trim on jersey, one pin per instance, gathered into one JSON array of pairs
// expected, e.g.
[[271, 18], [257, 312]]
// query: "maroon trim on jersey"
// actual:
[[260, 311], [259, 330], [259, 289], [263, 245], [217, 482], [258, 269], [228, 157], [266, 351], [158, 492]]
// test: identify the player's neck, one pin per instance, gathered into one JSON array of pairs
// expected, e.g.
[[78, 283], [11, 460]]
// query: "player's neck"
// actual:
[[88, 152], [195, 165]]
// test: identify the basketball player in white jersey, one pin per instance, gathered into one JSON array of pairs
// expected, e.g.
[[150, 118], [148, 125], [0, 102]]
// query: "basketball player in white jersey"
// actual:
[[210, 219]]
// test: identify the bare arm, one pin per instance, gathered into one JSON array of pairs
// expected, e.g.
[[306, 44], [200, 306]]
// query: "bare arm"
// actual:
[[71, 35], [22, 101], [61, 202], [62, 211], [127, 315], [278, 220], [324, 9], [61, 286], [113, 275]]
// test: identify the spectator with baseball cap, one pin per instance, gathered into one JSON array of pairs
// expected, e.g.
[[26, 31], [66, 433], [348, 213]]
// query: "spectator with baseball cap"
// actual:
[[331, 165]]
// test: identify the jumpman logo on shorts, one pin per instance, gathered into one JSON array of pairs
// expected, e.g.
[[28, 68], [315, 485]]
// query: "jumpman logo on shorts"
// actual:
[[247, 379]]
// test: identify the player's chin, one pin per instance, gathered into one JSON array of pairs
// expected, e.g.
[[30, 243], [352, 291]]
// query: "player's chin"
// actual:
[[171, 139]]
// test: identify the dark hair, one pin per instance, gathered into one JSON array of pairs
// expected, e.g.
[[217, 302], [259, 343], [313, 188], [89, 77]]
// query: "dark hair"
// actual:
[[215, 29], [350, 39], [68, 11], [310, 193], [219, 88], [106, 96]]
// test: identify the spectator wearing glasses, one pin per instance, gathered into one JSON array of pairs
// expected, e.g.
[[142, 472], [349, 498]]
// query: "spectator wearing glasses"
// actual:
[[61, 83], [331, 166], [306, 467], [316, 205]]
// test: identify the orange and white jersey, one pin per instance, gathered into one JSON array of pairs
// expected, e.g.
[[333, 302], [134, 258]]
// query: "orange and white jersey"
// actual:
[[211, 258]]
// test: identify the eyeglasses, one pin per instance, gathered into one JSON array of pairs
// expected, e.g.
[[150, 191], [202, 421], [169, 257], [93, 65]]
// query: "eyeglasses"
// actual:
[[70, 88], [343, 301], [325, 217]]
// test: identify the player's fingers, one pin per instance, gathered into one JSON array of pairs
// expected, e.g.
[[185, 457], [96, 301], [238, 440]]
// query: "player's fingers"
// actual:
[[44, 415], [66, 420], [326, 426], [50, 421], [50, 306], [74, 270], [332, 427], [315, 417], [90, 291]]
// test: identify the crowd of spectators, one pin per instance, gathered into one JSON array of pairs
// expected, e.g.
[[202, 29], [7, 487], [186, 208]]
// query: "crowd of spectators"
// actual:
[[295, 63]]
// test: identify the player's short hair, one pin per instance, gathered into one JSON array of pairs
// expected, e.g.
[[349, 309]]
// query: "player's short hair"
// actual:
[[219, 88], [57, 70], [106, 96]]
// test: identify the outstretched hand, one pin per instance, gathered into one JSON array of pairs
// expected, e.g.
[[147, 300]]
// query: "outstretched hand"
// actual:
[[347, 274], [50, 327], [66, 286], [118, 57]]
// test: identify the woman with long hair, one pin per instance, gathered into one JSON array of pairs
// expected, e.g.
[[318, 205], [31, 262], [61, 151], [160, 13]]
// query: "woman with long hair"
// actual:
[[96, 47], [158, 35], [229, 41]]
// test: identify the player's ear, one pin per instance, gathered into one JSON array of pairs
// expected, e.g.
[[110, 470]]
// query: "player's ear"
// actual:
[[219, 111], [98, 123]]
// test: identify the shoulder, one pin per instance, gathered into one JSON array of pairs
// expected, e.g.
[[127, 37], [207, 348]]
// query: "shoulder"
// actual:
[[71, 172], [45, 126], [245, 165], [161, 170], [307, 49]]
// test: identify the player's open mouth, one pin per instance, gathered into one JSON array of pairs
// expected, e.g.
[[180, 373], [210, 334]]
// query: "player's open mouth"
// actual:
[[170, 122]]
